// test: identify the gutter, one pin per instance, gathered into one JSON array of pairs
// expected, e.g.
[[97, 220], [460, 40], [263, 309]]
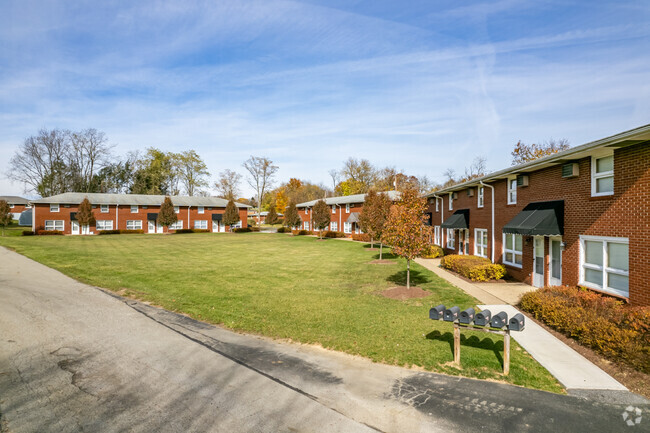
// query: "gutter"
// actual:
[[442, 219], [492, 231]]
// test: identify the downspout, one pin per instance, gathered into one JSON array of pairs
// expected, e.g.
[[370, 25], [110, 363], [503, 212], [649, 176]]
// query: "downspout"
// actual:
[[117, 217], [442, 219], [492, 199], [340, 224], [34, 218], [188, 217]]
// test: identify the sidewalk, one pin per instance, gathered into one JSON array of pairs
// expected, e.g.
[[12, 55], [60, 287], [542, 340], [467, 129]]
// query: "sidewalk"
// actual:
[[577, 374]]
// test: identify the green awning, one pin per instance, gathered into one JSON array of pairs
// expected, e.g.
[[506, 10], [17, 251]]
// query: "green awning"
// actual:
[[217, 216], [151, 216], [73, 216], [458, 220], [545, 218]]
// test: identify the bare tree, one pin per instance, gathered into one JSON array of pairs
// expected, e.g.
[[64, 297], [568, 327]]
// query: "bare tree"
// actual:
[[262, 171], [524, 152], [360, 173], [88, 153], [192, 172], [335, 175], [476, 169], [227, 185]]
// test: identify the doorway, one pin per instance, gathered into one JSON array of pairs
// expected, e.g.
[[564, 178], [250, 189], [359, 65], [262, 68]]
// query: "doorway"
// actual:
[[555, 252], [538, 261]]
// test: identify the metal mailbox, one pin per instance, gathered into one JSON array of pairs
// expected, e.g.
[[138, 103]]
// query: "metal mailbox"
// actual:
[[499, 320], [436, 312], [466, 316], [517, 322], [451, 314], [483, 318]]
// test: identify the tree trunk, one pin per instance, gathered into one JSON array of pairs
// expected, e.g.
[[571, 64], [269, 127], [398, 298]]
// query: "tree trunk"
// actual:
[[381, 249], [408, 273], [372, 243]]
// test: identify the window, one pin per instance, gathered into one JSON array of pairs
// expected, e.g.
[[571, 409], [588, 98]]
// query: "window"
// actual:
[[177, 209], [104, 209], [451, 244], [134, 225], [512, 191], [306, 225], [602, 175], [436, 236], [134, 208], [54, 208], [178, 225], [437, 205], [11, 206], [201, 224], [104, 225], [512, 249], [333, 209], [347, 227], [480, 242], [347, 208], [334, 226], [201, 209], [54, 225], [480, 194], [306, 211], [451, 201], [604, 264]]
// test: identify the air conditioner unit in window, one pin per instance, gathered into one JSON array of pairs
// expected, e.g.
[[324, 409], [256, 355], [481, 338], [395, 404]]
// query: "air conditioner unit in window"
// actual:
[[570, 170], [470, 192], [522, 180]]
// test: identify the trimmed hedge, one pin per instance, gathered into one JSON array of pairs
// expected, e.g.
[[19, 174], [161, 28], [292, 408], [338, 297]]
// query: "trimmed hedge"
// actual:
[[242, 230], [284, 230], [432, 252], [181, 231], [120, 232], [331, 234], [473, 267], [361, 237], [303, 232], [49, 232], [28, 233], [617, 331]]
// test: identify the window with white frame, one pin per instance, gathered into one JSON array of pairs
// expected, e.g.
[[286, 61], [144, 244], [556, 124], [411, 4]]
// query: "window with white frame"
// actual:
[[11, 206], [347, 208], [201, 209], [54, 225], [513, 247], [602, 175], [480, 196], [334, 226], [512, 191], [451, 201], [134, 225], [451, 242], [604, 264], [436, 236], [201, 224], [306, 210], [333, 209], [306, 225], [103, 208], [134, 208], [437, 205], [177, 209], [480, 242], [347, 227], [104, 224], [54, 207], [178, 225]]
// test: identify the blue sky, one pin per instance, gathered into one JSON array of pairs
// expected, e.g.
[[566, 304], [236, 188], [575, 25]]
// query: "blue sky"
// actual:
[[419, 85]]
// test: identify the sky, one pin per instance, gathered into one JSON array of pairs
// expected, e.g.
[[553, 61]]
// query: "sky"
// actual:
[[419, 85]]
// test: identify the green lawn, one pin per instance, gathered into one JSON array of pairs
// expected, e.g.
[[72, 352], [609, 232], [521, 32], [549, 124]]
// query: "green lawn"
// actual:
[[297, 288]]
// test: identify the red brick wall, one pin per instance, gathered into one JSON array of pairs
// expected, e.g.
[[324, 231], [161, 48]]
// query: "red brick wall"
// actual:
[[339, 216], [624, 214], [18, 208]]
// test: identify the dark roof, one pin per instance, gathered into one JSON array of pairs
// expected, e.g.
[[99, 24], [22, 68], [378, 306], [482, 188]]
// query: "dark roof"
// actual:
[[25, 218], [544, 218], [458, 220]]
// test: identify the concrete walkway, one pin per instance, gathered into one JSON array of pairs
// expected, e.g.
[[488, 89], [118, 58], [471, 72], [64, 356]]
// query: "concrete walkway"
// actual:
[[576, 373]]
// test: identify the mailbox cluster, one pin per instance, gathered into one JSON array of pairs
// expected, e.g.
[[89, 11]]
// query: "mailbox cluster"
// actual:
[[483, 318]]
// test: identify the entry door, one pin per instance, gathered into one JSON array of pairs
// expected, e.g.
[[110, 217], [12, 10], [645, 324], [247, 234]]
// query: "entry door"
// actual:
[[538, 262], [85, 229], [555, 277], [74, 227], [217, 227], [159, 228], [463, 241], [151, 227]]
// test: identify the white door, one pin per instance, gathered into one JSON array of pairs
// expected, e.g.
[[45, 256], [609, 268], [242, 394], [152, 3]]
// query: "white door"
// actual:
[[555, 247], [74, 227], [159, 228], [215, 226], [151, 226], [85, 229], [538, 262]]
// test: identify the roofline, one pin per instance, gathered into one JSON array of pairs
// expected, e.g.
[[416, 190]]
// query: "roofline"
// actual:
[[535, 164]]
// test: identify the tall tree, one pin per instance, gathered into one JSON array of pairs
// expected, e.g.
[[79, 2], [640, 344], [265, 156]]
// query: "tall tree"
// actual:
[[381, 212], [335, 175], [167, 216], [227, 185], [291, 216], [405, 230], [231, 215], [367, 215], [321, 216], [154, 174], [529, 152], [272, 216], [116, 177], [360, 172], [261, 173], [281, 201], [85, 215], [6, 216], [88, 153], [192, 171]]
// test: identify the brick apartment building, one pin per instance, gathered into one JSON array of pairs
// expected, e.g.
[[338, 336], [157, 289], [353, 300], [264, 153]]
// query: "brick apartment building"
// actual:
[[345, 212], [579, 217], [130, 212], [16, 204]]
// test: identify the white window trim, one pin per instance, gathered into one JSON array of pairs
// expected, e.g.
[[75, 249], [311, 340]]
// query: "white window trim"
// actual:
[[102, 207], [55, 207], [451, 201], [512, 190], [347, 208], [333, 209], [306, 211], [305, 225], [347, 228], [11, 206], [201, 224], [595, 176], [177, 209], [53, 225], [478, 236], [104, 223], [334, 226], [604, 268], [201, 209], [178, 225], [513, 251], [451, 241], [134, 207], [436, 235], [480, 196], [136, 224], [437, 205]]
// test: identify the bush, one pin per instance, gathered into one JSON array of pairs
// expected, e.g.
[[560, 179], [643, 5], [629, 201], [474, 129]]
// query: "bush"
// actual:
[[251, 221], [617, 331], [432, 252], [180, 231], [255, 229], [242, 230], [303, 232], [473, 267], [28, 233], [361, 237], [49, 232], [120, 232], [331, 234], [284, 230]]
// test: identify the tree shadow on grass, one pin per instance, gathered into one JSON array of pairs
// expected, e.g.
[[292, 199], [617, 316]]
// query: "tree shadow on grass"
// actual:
[[386, 255], [417, 278], [471, 341]]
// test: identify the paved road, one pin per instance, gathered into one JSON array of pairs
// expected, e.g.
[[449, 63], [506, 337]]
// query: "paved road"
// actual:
[[74, 358]]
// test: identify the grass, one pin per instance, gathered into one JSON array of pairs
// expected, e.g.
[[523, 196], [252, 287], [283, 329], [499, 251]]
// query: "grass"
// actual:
[[296, 288]]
